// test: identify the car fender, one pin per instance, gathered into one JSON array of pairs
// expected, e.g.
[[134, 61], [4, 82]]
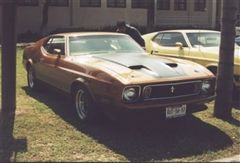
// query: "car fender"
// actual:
[[28, 62]]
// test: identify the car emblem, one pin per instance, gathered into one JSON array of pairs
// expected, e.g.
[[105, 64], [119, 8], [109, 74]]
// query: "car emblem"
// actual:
[[172, 89]]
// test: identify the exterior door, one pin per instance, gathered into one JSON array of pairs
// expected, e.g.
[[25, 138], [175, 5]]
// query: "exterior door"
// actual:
[[53, 51], [170, 44]]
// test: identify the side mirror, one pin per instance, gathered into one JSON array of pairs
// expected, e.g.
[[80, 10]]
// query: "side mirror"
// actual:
[[179, 44], [57, 51]]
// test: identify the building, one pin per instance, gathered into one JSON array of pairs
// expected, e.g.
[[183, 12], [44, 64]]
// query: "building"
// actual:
[[93, 14]]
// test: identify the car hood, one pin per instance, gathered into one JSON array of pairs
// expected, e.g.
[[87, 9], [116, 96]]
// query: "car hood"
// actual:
[[142, 67]]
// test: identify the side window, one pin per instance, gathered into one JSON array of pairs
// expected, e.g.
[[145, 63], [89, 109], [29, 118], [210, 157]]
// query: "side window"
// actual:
[[55, 43], [158, 38], [170, 39]]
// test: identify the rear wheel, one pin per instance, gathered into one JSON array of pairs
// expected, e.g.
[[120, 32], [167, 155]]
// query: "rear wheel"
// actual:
[[32, 81], [84, 105]]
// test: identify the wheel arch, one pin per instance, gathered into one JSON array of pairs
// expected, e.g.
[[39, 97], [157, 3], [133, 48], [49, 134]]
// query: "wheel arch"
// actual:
[[29, 63], [82, 83]]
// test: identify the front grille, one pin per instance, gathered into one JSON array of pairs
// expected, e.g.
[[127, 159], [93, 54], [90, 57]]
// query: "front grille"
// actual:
[[174, 90]]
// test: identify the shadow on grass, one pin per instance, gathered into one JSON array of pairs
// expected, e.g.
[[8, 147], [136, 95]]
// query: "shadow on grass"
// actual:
[[233, 121], [9, 153], [9, 146], [143, 140]]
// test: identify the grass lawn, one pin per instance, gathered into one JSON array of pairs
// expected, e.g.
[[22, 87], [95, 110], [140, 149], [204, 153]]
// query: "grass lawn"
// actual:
[[48, 126]]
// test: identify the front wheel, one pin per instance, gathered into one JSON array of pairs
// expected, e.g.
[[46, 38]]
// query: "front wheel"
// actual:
[[84, 105]]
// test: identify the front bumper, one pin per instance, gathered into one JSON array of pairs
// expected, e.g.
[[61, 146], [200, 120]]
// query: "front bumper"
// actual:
[[152, 108]]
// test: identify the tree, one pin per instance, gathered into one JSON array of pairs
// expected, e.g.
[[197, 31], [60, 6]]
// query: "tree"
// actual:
[[44, 16], [7, 114], [224, 89], [150, 15]]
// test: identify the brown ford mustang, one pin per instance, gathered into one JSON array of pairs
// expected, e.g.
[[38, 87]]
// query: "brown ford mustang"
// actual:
[[111, 73]]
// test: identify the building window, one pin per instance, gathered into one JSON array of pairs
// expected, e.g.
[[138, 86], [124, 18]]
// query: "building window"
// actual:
[[58, 2], [116, 3], [200, 5], [180, 4], [90, 3], [140, 3], [163, 5], [28, 3]]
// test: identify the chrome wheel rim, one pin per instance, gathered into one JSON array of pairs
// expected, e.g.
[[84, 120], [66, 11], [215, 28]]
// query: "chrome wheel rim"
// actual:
[[81, 104], [30, 78]]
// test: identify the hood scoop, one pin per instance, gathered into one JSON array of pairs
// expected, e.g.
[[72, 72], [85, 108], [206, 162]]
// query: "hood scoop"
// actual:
[[173, 65], [137, 67], [148, 65]]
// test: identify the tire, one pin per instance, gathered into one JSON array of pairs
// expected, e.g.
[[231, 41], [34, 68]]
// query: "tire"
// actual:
[[84, 105], [33, 83]]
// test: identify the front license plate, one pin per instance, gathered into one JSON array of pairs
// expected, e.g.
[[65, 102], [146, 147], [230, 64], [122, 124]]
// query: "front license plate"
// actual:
[[176, 111]]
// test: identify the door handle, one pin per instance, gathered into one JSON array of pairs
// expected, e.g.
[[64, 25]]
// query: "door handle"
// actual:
[[154, 52]]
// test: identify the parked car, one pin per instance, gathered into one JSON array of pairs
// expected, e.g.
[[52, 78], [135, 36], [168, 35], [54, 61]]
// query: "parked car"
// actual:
[[201, 46], [111, 73], [237, 40]]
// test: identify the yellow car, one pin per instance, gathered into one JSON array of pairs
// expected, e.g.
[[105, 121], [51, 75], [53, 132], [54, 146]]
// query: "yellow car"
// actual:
[[201, 46]]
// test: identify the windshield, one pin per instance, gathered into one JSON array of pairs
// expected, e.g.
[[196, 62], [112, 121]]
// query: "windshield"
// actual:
[[205, 39], [101, 44]]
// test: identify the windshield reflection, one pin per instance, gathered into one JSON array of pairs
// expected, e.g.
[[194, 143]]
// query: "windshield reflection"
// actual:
[[102, 44]]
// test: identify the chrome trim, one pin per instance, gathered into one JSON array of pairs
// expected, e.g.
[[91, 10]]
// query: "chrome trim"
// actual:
[[172, 84], [132, 86]]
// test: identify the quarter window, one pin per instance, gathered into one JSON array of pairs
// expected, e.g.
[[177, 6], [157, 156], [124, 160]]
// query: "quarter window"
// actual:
[[163, 5], [170, 39], [200, 5], [54, 43], [116, 3], [180, 4], [90, 3]]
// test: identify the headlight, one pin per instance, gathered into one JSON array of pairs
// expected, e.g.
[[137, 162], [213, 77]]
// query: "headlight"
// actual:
[[206, 85], [147, 92], [131, 94]]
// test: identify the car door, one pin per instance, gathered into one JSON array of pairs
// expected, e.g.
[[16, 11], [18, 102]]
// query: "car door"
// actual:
[[171, 44], [47, 70], [204, 47]]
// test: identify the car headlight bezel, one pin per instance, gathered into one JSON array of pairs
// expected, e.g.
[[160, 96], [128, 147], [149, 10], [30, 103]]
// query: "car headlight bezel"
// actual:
[[206, 86], [131, 94]]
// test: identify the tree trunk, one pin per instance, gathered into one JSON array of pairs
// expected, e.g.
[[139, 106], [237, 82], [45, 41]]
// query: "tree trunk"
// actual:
[[223, 102], [150, 16], [7, 114], [44, 17]]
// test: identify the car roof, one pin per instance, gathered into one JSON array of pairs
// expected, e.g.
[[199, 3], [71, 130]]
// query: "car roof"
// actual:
[[73, 34], [190, 30]]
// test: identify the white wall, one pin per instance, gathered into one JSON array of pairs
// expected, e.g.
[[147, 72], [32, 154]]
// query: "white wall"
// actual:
[[30, 17], [98, 17]]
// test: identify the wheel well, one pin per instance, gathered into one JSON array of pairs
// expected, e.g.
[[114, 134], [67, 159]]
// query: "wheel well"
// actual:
[[76, 84], [80, 84], [213, 69], [28, 65]]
